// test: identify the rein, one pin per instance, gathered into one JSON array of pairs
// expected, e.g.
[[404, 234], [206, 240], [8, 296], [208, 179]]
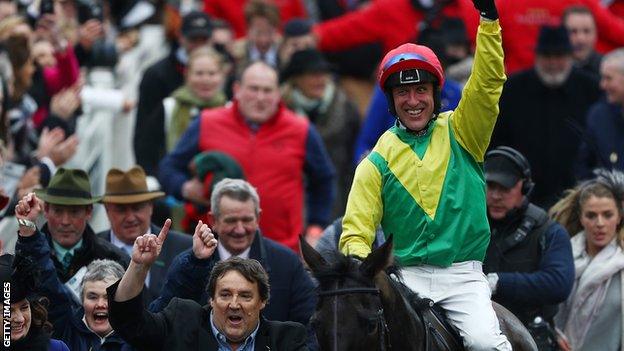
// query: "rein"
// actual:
[[382, 325]]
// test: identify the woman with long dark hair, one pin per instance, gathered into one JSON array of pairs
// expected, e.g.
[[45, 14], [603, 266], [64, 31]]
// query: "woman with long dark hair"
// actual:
[[30, 329]]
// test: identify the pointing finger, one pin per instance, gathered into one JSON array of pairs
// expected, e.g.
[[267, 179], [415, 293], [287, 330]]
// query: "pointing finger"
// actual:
[[164, 231]]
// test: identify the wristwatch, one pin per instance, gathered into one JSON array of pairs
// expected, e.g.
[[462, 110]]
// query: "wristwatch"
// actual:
[[26, 223]]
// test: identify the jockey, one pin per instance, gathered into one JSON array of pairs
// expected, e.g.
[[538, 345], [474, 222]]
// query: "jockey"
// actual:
[[424, 182]]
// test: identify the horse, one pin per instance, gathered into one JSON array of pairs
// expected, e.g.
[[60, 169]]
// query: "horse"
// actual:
[[362, 307]]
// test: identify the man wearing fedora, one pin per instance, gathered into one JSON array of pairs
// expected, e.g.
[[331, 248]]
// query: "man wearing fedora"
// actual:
[[129, 206], [68, 206]]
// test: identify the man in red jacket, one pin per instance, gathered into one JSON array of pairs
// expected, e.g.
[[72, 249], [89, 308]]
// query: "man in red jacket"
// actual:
[[276, 150]]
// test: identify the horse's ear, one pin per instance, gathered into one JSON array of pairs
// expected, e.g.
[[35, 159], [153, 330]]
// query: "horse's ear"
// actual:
[[378, 260], [314, 260]]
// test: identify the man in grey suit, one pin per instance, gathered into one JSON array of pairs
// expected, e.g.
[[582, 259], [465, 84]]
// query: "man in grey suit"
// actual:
[[129, 207]]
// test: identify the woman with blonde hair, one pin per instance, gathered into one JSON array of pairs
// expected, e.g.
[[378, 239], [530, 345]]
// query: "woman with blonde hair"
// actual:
[[591, 317], [203, 88]]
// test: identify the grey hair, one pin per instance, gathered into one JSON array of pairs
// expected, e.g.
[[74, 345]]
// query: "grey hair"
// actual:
[[617, 56], [236, 189], [99, 270]]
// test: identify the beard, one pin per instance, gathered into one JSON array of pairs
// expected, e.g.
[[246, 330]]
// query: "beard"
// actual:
[[553, 80]]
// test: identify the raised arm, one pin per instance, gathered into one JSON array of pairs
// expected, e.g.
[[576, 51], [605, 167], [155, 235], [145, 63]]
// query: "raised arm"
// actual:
[[474, 119], [141, 328], [144, 252], [187, 275], [32, 243]]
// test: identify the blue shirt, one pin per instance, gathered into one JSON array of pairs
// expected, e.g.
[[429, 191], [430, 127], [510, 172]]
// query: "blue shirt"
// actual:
[[248, 345]]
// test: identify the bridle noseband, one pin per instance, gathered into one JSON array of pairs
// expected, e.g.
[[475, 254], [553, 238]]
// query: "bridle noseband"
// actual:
[[384, 339]]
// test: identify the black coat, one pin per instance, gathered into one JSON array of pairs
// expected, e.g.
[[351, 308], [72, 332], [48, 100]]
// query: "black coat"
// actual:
[[292, 297], [175, 244], [546, 124], [185, 325], [158, 82], [93, 248]]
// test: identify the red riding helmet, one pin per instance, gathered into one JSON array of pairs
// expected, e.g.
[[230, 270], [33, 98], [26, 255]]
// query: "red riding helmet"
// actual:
[[409, 57]]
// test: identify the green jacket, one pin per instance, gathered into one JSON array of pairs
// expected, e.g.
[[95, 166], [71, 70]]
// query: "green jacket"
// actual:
[[429, 191]]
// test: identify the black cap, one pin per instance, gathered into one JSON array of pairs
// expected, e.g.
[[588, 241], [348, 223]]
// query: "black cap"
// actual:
[[501, 170], [297, 27], [553, 41], [196, 24], [305, 61]]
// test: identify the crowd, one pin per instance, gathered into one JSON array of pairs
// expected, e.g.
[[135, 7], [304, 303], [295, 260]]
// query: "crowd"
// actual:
[[485, 141]]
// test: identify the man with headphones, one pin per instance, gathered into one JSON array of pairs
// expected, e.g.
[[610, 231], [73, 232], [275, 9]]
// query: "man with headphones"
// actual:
[[529, 261]]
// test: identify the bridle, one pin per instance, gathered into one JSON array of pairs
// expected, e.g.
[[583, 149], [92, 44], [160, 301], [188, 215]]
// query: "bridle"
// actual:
[[382, 325]]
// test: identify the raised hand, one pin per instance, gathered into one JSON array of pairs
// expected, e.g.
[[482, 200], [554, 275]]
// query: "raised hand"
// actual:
[[65, 150], [147, 247], [48, 140], [65, 103], [204, 242], [28, 208], [487, 8]]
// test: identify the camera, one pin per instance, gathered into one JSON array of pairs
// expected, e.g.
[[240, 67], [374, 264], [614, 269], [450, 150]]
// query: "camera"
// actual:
[[88, 10]]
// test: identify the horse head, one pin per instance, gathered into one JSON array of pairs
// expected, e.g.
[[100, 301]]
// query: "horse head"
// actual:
[[360, 307], [353, 298]]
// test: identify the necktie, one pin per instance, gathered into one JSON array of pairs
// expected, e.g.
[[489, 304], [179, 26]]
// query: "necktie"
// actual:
[[67, 259]]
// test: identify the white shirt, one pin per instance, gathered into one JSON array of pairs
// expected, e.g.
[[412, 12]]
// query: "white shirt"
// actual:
[[224, 254]]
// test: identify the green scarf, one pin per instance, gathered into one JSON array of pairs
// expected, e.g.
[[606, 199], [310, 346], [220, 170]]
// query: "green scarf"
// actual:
[[185, 109], [314, 109]]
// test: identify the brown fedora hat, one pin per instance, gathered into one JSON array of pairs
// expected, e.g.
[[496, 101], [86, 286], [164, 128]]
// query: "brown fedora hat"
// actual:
[[128, 187]]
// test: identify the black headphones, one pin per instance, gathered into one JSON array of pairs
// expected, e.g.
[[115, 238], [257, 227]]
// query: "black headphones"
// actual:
[[520, 161]]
